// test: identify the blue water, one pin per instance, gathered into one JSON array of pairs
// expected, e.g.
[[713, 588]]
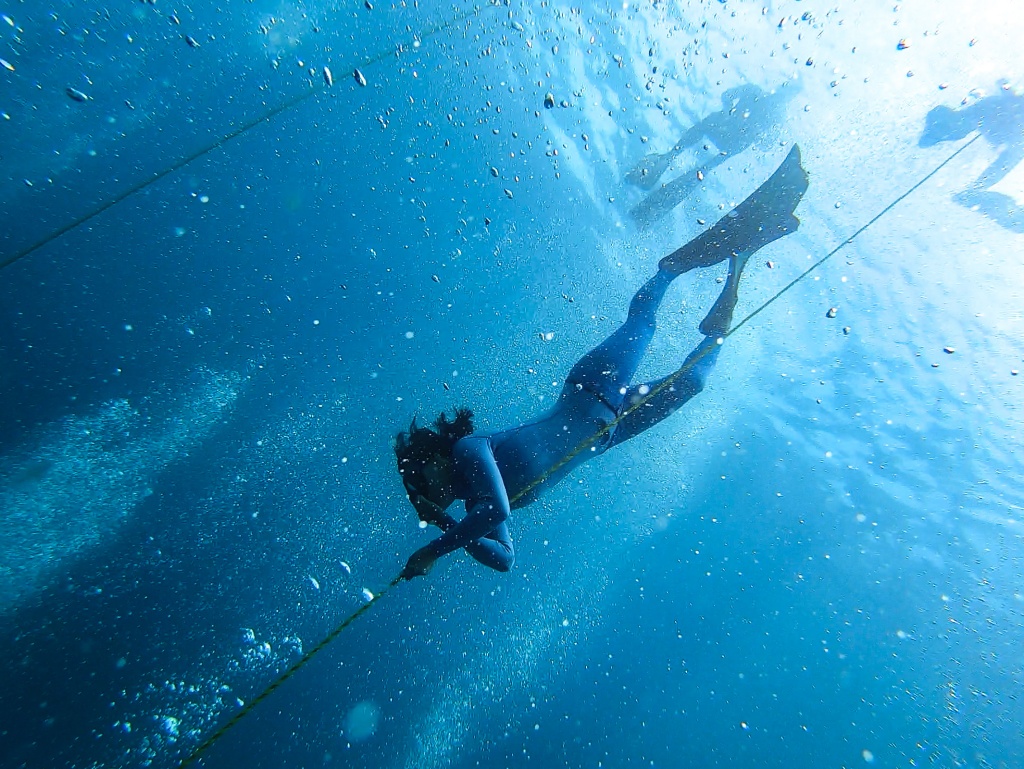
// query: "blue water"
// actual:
[[818, 563]]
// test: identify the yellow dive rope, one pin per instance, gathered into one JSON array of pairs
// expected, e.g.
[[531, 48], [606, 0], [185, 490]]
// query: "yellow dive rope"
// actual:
[[584, 446], [314, 90]]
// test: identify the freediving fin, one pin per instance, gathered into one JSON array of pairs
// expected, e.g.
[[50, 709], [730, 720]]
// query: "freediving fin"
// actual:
[[766, 215]]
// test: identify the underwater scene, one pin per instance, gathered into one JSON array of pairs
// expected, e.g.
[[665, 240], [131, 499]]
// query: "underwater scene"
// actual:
[[407, 384]]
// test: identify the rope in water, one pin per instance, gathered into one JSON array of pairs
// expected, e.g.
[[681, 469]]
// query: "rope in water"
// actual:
[[584, 446], [298, 665], [314, 90]]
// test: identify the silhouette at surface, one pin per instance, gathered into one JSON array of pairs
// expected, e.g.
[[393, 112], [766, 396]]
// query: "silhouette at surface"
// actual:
[[747, 119], [999, 119]]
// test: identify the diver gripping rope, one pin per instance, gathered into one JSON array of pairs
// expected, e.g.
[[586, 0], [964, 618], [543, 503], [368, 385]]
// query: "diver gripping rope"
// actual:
[[584, 446], [424, 34]]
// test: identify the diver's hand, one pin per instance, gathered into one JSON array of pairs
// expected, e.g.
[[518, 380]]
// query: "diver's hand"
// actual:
[[419, 564]]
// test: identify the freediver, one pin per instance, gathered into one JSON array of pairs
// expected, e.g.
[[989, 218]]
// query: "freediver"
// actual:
[[747, 116], [508, 469], [998, 118]]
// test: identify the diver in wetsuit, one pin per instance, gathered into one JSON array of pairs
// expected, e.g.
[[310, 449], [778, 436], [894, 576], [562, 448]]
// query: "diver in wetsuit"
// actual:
[[999, 118], [509, 469]]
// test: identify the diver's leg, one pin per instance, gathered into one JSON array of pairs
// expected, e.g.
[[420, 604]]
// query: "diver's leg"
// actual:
[[607, 369], [660, 202], [719, 319], [647, 404], [765, 216]]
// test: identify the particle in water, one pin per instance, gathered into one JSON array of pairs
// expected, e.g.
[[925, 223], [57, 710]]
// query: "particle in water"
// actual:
[[367, 595], [346, 568], [949, 350], [832, 311], [75, 95], [361, 722], [170, 726], [549, 101], [359, 77], [846, 330], [328, 77], [494, 172], [192, 42], [903, 45], [6, 65], [313, 581], [508, 193]]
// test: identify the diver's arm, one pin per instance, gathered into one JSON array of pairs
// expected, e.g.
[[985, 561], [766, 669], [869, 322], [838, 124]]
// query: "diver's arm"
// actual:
[[692, 136], [484, 490], [487, 508], [494, 550]]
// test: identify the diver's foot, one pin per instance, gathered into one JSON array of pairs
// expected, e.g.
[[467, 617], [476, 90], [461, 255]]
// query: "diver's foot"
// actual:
[[719, 318], [765, 216]]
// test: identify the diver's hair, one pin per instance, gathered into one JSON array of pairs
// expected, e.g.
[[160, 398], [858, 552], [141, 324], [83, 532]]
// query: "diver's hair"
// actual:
[[414, 449]]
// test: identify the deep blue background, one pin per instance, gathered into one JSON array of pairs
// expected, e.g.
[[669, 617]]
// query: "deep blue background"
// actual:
[[818, 564]]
